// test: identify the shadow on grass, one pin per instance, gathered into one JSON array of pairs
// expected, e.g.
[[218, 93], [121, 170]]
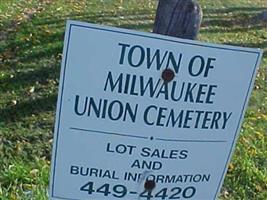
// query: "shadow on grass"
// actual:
[[221, 29], [29, 78], [234, 9], [28, 108], [45, 45], [98, 17], [234, 19]]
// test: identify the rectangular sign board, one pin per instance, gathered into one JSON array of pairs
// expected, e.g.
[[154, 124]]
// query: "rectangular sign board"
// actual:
[[127, 128]]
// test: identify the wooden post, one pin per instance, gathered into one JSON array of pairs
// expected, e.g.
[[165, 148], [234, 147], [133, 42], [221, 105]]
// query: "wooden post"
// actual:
[[178, 18]]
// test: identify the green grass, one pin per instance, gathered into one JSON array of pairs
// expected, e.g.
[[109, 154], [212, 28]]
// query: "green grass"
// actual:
[[31, 41]]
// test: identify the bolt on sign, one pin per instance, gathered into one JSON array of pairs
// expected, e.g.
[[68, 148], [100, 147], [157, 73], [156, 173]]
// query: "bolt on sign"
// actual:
[[145, 116]]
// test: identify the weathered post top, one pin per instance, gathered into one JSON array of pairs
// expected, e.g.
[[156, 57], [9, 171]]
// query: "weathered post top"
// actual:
[[178, 18]]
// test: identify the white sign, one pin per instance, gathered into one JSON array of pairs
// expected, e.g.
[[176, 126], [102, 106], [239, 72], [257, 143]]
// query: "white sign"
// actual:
[[120, 128]]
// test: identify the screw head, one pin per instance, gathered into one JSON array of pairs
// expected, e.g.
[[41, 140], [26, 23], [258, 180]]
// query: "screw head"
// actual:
[[167, 75], [149, 185]]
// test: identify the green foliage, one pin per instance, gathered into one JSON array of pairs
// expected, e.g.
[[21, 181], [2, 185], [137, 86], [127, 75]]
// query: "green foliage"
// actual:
[[31, 41]]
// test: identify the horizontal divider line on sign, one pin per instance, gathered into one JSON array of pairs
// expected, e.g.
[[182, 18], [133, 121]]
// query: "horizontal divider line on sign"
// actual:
[[174, 140], [143, 137], [108, 133]]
